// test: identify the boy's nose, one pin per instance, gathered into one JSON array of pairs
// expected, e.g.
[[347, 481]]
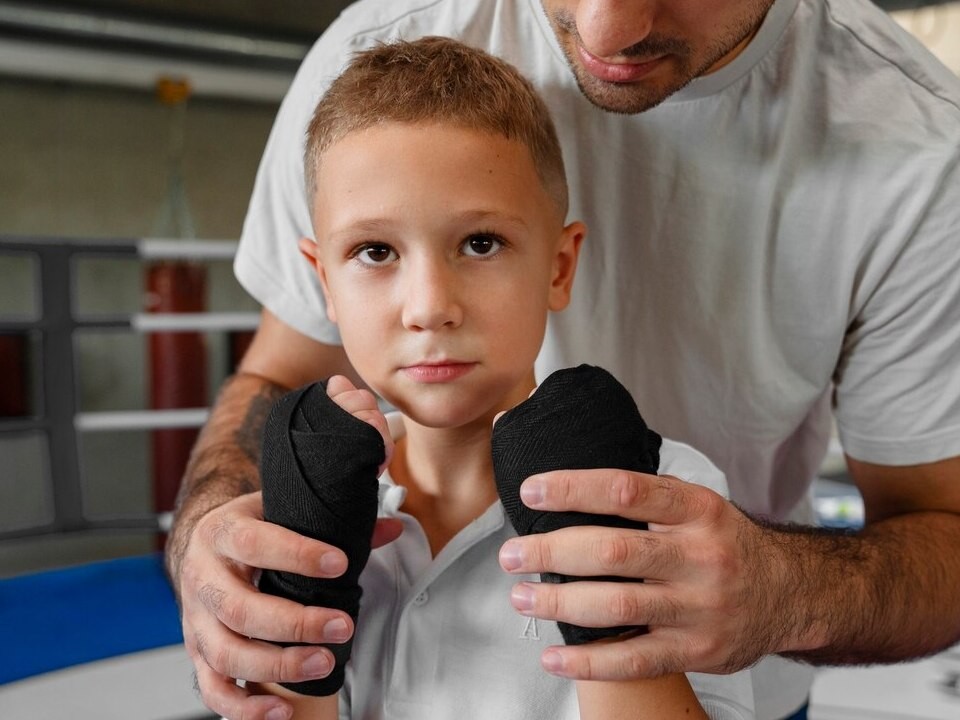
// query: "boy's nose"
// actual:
[[608, 28], [430, 301]]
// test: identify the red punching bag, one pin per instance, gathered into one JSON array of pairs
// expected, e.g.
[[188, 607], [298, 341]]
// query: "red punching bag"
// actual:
[[178, 371]]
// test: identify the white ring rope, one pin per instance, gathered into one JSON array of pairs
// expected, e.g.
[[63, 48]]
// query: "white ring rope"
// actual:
[[140, 419], [199, 322], [164, 249]]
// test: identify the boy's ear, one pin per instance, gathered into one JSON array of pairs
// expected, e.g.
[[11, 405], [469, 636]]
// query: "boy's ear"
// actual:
[[565, 264], [308, 248]]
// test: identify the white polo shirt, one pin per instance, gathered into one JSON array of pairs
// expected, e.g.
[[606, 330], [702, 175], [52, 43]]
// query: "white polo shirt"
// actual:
[[438, 638]]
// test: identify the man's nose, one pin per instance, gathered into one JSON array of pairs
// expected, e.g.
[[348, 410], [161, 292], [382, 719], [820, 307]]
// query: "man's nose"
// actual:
[[607, 28]]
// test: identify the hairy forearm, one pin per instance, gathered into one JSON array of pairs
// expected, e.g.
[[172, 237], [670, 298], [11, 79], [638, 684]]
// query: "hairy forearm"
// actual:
[[885, 594], [224, 461]]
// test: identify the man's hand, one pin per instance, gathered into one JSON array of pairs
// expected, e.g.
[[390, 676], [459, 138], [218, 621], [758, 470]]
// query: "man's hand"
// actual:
[[702, 584], [722, 590], [703, 595], [229, 626], [222, 610]]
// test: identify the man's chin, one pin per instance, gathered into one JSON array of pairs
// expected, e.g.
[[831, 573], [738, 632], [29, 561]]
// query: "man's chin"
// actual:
[[620, 98]]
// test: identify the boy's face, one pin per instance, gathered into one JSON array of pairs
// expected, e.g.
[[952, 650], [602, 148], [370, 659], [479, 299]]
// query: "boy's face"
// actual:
[[629, 56], [440, 254]]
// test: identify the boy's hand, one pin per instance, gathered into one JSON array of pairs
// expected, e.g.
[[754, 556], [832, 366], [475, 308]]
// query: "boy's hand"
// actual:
[[226, 620], [362, 405], [323, 449]]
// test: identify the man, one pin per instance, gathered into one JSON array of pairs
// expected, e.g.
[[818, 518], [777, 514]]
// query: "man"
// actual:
[[773, 192]]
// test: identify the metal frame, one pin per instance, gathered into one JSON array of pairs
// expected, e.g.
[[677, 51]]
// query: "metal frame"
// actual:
[[56, 396]]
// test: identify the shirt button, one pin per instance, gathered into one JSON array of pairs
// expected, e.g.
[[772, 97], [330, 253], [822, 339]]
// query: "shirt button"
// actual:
[[421, 599]]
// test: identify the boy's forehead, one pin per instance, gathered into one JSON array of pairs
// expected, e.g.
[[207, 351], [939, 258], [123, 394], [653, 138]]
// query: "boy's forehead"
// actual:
[[391, 138], [394, 174], [421, 144]]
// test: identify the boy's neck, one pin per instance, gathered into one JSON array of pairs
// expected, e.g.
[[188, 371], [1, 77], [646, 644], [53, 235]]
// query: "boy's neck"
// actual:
[[448, 474]]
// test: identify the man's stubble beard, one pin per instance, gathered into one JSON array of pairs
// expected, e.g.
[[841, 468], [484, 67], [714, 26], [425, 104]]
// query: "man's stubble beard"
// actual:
[[633, 98]]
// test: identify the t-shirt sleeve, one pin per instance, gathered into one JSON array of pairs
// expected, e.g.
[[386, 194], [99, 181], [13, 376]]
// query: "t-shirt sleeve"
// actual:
[[268, 263], [898, 379], [691, 465]]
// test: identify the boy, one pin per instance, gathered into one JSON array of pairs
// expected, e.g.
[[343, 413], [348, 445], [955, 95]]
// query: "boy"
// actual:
[[439, 200]]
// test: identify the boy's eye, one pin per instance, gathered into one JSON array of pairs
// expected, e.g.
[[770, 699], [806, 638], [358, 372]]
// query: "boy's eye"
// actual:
[[482, 245], [374, 254]]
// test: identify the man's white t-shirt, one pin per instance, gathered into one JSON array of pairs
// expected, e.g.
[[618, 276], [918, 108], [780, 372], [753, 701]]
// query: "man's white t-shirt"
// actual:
[[779, 239]]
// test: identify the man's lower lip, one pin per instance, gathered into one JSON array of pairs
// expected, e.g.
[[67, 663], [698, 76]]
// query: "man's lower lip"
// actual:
[[438, 373], [616, 72]]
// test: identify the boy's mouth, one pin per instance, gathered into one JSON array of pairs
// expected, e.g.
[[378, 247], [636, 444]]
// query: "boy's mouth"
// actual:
[[438, 371]]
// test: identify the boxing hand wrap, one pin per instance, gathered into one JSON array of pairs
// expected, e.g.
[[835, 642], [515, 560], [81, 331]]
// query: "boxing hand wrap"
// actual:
[[579, 418], [319, 470]]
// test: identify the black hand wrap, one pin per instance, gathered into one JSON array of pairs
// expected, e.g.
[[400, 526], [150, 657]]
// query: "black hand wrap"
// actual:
[[578, 418], [319, 475]]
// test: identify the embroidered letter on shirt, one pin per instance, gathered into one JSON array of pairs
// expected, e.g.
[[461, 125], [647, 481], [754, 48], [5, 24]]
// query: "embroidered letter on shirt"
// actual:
[[530, 630]]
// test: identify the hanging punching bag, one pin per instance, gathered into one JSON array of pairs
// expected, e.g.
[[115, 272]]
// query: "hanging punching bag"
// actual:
[[178, 371]]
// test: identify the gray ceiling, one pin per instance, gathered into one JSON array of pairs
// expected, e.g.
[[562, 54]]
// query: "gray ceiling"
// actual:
[[265, 36], [297, 18]]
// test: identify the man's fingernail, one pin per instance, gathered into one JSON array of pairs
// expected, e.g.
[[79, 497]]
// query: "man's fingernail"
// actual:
[[336, 631], [317, 665], [521, 597], [510, 557], [552, 662], [532, 492], [279, 713], [332, 564]]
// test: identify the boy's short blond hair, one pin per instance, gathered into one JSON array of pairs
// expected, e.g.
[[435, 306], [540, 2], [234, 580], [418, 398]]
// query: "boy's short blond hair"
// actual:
[[437, 80]]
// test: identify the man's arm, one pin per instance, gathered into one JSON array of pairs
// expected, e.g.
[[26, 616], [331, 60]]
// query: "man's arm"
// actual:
[[219, 538], [723, 590], [897, 582]]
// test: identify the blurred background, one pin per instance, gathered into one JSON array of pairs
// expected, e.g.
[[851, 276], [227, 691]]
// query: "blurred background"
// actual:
[[130, 133], [122, 120]]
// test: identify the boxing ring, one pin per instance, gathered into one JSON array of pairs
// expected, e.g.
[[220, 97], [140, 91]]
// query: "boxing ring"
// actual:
[[101, 639]]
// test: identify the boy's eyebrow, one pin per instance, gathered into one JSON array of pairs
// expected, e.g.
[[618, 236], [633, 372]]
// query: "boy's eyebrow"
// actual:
[[480, 215], [374, 225], [363, 226]]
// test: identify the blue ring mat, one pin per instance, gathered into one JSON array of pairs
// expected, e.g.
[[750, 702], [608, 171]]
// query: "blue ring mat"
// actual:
[[60, 618]]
